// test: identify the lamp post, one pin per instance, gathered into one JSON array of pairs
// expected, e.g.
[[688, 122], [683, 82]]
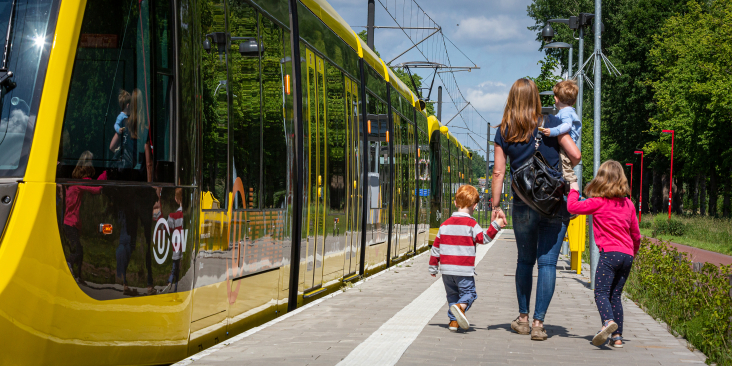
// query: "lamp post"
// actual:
[[671, 175], [631, 179], [640, 190]]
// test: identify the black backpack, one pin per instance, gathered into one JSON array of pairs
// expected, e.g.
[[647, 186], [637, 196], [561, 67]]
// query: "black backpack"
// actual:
[[538, 184]]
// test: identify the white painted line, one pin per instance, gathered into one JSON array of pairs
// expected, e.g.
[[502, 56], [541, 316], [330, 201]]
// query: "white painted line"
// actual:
[[387, 344], [208, 351]]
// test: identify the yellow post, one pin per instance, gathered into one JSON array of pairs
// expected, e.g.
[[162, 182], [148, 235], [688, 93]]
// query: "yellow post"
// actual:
[[576, 233]]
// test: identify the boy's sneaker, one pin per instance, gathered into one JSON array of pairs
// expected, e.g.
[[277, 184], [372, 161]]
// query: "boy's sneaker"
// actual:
[[453, 325], [459, 314]]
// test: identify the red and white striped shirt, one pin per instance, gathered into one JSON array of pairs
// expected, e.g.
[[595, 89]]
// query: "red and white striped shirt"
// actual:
[[454, 247]]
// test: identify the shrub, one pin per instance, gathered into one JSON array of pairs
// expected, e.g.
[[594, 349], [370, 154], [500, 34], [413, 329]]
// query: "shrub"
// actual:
[[662, 225], [696, 305], [646, 222]]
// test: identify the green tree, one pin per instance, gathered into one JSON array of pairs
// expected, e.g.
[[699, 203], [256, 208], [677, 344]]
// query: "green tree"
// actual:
[[693, 60], [477, 165]]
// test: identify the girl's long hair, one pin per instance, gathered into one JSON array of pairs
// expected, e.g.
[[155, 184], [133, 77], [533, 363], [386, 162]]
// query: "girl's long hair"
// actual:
[[136, 122], [84, 167], [609, 182], [522, 112]]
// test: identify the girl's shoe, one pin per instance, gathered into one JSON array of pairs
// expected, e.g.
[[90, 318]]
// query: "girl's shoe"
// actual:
[[520, 327], [614, 342], [459, 314], [601, 337]]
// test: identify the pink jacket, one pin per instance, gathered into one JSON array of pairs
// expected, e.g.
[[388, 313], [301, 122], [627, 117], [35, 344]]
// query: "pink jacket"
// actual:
[[613, 221]]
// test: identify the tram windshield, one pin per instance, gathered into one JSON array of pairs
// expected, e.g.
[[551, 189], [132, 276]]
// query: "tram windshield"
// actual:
[[24, 25]]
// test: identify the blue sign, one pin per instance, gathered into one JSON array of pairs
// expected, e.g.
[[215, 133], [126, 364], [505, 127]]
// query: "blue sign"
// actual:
[[423, 192]]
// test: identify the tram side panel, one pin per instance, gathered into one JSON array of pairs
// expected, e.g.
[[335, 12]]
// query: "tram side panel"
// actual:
[[330, 244]]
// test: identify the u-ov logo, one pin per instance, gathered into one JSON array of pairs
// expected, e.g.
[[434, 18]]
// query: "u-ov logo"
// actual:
[[162, 238]]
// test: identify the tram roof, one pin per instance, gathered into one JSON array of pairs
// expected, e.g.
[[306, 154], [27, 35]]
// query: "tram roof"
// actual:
[[433, 124], [399, 85], [334, 21]]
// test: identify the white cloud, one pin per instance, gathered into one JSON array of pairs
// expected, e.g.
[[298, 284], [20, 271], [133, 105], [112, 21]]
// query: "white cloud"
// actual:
[[488, 96], [495, 29]]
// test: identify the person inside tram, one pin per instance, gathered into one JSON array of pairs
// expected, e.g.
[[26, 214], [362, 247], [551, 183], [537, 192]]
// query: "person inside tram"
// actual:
[[72, 220]]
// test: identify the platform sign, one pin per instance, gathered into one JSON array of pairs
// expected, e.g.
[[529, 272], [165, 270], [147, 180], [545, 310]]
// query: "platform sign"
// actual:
[[423, 192]]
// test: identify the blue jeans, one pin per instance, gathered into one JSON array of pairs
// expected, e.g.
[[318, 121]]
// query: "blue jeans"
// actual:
[[460, 290], [537, 238]]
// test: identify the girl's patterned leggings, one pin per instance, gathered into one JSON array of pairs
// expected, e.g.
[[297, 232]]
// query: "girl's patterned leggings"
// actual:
[[612, 271]]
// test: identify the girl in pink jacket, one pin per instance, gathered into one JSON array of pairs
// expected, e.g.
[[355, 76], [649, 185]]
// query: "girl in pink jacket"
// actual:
[[615, 227]]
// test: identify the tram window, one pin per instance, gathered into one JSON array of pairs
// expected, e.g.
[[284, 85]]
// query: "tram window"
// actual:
[[336, 140], [215, 112], [29, 43], [120, 104], [275, 64], [246, 124]]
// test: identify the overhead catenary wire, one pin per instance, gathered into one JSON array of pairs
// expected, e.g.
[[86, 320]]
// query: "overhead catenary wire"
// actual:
[[415, 23]]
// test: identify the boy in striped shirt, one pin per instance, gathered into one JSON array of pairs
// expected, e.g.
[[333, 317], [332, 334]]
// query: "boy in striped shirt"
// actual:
[[454, 253]]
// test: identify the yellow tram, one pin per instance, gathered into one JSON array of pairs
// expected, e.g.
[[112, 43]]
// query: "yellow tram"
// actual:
[[170, 175]]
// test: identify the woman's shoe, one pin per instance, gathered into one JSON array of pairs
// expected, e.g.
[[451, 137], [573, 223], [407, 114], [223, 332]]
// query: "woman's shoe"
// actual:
[[601, 337], [616, 341], [538, 333], [520, 327]]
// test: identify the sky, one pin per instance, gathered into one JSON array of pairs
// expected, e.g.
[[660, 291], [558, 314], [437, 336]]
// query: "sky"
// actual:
[[491, 33]]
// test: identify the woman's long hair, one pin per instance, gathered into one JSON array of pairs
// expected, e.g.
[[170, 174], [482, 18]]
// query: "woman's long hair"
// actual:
[[609, 182], [522, 112], [136, 121]]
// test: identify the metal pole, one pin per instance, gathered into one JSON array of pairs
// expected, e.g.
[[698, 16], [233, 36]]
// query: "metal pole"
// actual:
[[439, 103], [594, 250], [640, 191], [569, 72], [487, 167], [370, 24], [671, 178], [580, 85]]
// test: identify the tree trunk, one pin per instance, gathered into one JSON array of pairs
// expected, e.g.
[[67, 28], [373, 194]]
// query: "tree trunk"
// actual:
[[713, 192], [703, 195], [678, 197], [657, 192], [695, 196], [647, 176]]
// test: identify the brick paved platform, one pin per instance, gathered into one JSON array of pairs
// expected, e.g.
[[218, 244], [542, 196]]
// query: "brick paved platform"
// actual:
[[378, 322]]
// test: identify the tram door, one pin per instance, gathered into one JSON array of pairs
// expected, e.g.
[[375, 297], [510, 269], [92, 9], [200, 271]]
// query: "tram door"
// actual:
[[316, 153], [350, 265]]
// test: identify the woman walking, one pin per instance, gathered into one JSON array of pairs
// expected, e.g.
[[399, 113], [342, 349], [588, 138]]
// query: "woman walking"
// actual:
[[538, 238]]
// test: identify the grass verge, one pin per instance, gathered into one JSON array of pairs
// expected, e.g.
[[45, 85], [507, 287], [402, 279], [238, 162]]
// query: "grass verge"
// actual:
[[696, 231]]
